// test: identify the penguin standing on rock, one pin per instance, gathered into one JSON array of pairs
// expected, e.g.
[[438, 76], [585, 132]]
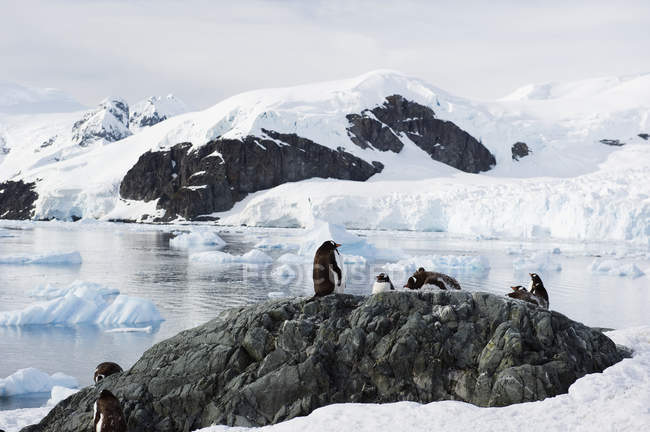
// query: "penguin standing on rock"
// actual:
[[382, 284], [536, 294], [328, 270], [105, 369], [423, 277], [108, 416]]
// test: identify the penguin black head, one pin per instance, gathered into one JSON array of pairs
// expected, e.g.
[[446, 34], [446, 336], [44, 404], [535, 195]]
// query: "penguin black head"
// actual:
[[329, 245], [535, 277], [105, 369], [383, 277], [516, 288], [420, 270]]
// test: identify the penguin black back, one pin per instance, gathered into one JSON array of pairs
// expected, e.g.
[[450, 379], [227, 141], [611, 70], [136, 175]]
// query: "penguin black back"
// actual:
[[537, 287], [108, 414], [105, 369], [327, 273], [422, 277]]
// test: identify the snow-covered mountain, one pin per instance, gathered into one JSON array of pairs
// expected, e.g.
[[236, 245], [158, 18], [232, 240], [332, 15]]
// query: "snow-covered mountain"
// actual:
[[155, 109], [550, 159], [19, 99]]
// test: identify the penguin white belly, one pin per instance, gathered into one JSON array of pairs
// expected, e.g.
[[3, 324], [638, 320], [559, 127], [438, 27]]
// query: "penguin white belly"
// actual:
[[339, 288], [379, 287]]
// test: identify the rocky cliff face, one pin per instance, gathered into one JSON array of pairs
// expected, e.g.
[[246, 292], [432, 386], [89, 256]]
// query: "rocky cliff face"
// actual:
[[17, 200], [442, 140], [281, 359], [191, 182]]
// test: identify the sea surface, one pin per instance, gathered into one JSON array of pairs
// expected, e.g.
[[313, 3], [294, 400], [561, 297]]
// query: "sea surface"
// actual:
[[139, 261]]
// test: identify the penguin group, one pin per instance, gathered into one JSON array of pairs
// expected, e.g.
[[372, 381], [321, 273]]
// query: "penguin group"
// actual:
[[329, 277], [107, 411]]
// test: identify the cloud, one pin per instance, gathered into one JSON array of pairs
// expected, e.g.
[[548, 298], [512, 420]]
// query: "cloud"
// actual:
[[204, 50]]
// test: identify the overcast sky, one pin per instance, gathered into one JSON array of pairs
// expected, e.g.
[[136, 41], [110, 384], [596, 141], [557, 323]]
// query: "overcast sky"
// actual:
[[204, 51]]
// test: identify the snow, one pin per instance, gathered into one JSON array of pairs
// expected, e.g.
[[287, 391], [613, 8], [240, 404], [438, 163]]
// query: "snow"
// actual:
[[254, 256], [197, 238], [50, 258], [615, 400], [14, 420], [32, 380], [20, 99], [156, 107], [566, 189], [615, 268], [83, 303], [441, 263]]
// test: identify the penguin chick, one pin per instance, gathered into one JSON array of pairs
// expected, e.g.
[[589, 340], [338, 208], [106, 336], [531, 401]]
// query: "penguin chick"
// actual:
[[382, 284]]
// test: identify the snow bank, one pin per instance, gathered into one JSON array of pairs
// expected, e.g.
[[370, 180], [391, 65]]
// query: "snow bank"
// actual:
[[215, 257], [615, 400], [442, 263], [537, 262], [615, 268], [351, 244], [197, 239], [32, 380], [53, 258], [85, 303]]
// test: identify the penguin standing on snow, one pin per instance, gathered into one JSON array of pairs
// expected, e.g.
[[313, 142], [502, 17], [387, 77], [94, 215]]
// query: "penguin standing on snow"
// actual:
[[423, 277], [108, 414], [328, 270], [105, 369], [382, 284]]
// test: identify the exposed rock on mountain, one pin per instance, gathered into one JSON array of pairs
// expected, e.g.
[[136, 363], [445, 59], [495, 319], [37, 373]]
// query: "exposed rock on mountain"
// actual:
[[191, 182], [17, 200], [645, 136], [442, 140], [612, 142], [273, 361], [108, 122], [154, 110], [520, 150]]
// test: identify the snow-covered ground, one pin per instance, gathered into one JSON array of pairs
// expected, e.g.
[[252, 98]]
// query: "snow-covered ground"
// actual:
[[83, 303], [572, 186]]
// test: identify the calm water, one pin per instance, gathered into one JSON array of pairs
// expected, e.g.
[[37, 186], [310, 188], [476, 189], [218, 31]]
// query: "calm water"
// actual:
[[138, 261]]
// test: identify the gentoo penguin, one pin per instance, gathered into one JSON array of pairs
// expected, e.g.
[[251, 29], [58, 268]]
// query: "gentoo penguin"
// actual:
[[105, 369], [537, 288], [328, 270], [423, 277], [108, 414], [382, 284], [521, 293]]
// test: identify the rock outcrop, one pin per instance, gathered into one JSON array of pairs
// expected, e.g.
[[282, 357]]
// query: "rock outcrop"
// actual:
[[520, 150], [153, 110], [612, 142], [17, 200], [272, 361], [442, 140], [644, 136], [196, 181]]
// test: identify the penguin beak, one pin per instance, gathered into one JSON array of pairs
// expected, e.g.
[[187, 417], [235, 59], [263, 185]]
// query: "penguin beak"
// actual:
[[514, 288], [338, 245]]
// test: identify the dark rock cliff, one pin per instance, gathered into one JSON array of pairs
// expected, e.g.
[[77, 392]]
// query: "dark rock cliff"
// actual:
[[192, 182], [272, 361], [442, 140], [17, 200]]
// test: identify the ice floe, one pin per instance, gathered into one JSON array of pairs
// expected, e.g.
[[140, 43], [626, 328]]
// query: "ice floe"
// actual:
[[442, 263], [84, 303], [52, 258], [254, 256], [198, 238], [615, 268], [32, 380]]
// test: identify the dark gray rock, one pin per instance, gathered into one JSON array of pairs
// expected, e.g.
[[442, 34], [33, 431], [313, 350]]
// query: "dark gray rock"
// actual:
[[519, 150], [220, 173], [17, 200], [272, 361], [612, 142], [645, 136], [442, 140]]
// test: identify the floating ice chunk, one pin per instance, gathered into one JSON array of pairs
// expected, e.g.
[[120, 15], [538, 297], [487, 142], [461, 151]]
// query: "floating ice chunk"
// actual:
[[49, 291], [32, 380], [291, 258], [197, 239], [147, 329], [53, 258], [269, 244], [351, 244], [442, 263], [615, 268], [129, 310], [254, 256], [84, 303], [276, 294], [538, 261], [284, 270], [59, 393]]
